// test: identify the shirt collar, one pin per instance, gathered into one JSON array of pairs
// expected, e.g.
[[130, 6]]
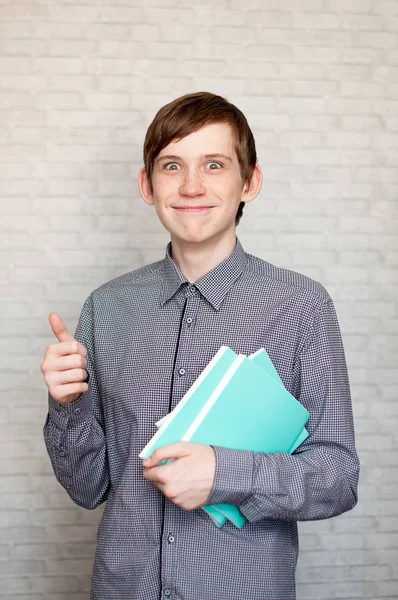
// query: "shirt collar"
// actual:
[[214, 285]]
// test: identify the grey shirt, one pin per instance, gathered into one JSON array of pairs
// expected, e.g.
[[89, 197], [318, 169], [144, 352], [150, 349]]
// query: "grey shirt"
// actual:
[[149, 334]]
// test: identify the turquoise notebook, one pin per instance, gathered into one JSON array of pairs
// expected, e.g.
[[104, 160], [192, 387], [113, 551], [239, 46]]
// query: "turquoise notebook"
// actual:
[[262, 359], [258, 413], [229, 511], [271, 421]]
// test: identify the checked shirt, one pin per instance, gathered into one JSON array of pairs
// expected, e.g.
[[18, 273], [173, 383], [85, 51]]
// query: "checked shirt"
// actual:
[[149, 334]]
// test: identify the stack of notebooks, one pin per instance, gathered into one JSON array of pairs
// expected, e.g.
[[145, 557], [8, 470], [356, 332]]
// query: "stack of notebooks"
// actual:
[[237, 402]]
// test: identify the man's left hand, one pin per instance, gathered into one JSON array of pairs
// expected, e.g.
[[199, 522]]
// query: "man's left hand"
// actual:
[[188, 479]]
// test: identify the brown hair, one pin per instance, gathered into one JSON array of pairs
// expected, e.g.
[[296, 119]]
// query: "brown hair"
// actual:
[[189, 113]]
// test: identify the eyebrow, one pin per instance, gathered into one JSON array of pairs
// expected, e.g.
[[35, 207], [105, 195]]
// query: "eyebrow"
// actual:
[[175, 157]]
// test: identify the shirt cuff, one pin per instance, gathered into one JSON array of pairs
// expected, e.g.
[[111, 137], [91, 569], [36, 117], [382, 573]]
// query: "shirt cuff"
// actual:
[[72, 413], [233, 478]]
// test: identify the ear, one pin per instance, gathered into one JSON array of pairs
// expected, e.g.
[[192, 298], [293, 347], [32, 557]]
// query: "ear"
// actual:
[[252, 188], [145, 188]]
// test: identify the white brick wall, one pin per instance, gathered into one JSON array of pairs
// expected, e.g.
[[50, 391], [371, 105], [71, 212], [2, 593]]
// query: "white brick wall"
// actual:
[[79, 84]]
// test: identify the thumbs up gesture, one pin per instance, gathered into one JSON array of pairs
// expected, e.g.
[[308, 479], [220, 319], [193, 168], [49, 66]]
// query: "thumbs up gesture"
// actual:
[[64, 364]]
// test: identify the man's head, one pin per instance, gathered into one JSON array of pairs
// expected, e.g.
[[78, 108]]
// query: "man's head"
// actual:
[[200, 169], [191, 112]]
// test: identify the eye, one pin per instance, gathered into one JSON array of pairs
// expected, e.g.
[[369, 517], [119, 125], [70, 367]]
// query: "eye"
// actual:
[[171, 167], [213, 166]]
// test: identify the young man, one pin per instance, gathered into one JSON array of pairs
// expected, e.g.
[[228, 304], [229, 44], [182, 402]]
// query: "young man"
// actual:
[[143, 339]]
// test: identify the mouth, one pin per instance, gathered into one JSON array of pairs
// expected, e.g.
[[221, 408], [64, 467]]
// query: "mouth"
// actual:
[[192, 208]]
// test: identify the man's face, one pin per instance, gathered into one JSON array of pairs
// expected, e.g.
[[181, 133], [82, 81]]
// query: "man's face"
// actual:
[[197, 185]]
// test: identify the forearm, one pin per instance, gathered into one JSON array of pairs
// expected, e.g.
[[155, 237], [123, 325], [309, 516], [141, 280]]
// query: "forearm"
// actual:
[[320, 479], [76, 445], [315, 484]]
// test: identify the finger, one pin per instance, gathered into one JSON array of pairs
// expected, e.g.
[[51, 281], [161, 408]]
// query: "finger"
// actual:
[[158, 475], [68, 348], [176, 450], [59, 328], [70, 376], [150, 474], [64, 363], [61, 393]]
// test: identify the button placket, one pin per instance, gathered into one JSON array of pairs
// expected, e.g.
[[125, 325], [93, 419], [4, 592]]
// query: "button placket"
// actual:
[[181, 382]]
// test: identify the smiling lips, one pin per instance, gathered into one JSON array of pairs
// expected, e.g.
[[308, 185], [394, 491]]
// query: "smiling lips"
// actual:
[[192, 208]]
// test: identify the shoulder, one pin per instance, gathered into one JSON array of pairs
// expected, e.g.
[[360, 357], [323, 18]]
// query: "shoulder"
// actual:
[[284, 282], [149, 275]]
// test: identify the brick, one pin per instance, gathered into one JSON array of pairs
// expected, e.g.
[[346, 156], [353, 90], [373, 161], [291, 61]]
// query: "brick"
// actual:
[[323, 55], [57, 64], [53, 30], [15, 29], [22, 567], [265, 19], [318, 88], [101, 102], [16, 100], [105, 31], [362, 22], [353, 573], [37, 596], [71, 83], [349, 72], [317, 21], [64, 516], [352, 6], [81, 48], [302, 105], [21, 534], [386, 8], [272, 53], [69, 566], [23, 12], [55, 584], [287, 6], [68, 596], [119, 48], [76, 549], [72, 533], [310, 70], [381, 174], [18, 47]]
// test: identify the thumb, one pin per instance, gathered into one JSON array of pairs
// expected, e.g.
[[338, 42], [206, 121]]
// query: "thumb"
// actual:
[[59, 328]]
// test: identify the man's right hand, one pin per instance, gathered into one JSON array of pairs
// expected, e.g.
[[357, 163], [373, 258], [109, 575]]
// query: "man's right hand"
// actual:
[[64, 365]]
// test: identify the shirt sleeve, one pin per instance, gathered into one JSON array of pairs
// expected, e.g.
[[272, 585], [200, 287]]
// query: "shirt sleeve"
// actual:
[[74, 434], [320, 479]]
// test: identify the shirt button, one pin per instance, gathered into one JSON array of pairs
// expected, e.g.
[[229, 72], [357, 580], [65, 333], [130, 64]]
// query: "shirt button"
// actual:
[[77, 411], [182, 371], [171, 539], [167, 593], [189, 320]]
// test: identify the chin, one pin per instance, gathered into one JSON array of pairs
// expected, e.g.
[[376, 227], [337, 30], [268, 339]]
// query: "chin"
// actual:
[[190, 238]]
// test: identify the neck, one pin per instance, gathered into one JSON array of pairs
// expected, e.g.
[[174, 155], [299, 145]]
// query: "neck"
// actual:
[[197, 259]]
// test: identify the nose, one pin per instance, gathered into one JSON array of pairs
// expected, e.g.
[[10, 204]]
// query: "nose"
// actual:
[[192, 184]]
